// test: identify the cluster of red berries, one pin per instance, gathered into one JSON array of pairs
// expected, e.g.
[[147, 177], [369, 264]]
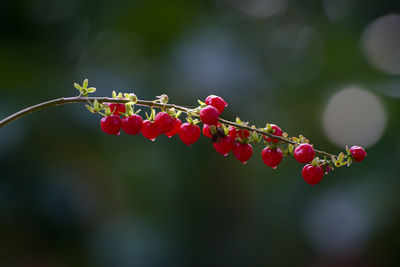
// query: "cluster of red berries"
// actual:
[[163, 123], [224, 139]]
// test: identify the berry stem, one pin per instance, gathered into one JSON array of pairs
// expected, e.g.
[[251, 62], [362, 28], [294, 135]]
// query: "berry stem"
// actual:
[[145, 103]]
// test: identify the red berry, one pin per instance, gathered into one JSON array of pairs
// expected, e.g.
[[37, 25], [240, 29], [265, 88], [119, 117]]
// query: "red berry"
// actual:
[[277, 132], [216, 102], [117, 108], [209, 115], [312, 174], [271, 157], [189, 133], [241, 133], [175, 129], [206, 129], [132, 124], [150, 130], [358, 153], [242, 152], [304, 153], [164, 122], [111, 124], [225, 145]]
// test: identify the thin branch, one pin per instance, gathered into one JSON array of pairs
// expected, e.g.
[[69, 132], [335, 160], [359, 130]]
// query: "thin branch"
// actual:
[[146, 103]]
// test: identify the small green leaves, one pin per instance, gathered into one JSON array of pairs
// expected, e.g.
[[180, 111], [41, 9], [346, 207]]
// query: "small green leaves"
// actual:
[[226, 129], [90, 108], [192, 121], [295, 139], [132, 97], [152, 114], [129, 109], [340, 160], [177, 114], [340, 157], [315, 161], [115, 95], [171, 112], [95, 107], [202, 104], [255, 137], [238, 121], [83, 89], [213, 129], [192, 112], [107, 110], [349, 161], [291, 148], [269, 128]]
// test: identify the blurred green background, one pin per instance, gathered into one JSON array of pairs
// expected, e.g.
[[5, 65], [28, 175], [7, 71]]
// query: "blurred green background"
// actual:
[[72, 196]]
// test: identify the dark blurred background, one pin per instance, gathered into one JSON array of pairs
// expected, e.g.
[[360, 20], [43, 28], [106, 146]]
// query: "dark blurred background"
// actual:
[[72, 196]]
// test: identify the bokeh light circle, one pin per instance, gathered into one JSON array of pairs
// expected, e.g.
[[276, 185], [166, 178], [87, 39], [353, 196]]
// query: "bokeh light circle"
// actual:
[[337, 224], [338, 10], [259, 9], [354, 116], [381, 43]]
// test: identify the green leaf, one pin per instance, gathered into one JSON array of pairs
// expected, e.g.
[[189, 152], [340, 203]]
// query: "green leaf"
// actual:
[[238, 120], [295, 139], [107, 110], [315, 161], [340, 157], [85, 83], [349, 161], [77, 86], [291, 148], [114, 94], [96, 104], [347, 150], [226, 129], [269, 128], [91, 89], [202, 104], [90, 108]]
